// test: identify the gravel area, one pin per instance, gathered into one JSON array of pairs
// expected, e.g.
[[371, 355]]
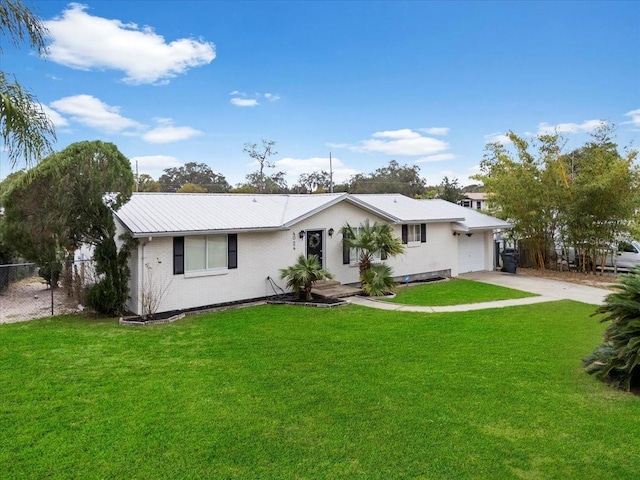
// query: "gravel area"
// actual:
[[600, 280], [31, 298]]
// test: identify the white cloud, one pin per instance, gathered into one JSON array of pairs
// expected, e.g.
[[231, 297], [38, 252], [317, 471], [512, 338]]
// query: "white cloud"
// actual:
[[497, 138], [440, 157], [92, 112], [166, 132], [294, 167], [241, 99], [635, 118], [58, 120], [436, 130], [244, 102], [154, 164], [85, 42], [587, 126], [404, 142]]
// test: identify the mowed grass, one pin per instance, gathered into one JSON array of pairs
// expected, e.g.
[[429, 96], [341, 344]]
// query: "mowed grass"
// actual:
[[454, 291], [284, 392]]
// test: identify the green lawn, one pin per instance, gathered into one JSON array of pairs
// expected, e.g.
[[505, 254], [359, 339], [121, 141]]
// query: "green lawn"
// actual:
[[292, 392], [454, 291]]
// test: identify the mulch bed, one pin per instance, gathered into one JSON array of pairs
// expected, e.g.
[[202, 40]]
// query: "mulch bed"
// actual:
[[317, 301]]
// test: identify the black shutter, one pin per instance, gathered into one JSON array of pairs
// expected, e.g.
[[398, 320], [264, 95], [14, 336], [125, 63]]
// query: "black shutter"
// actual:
[[345, 253], [423, 232], [232, 250], [405, 234], [178, 255]]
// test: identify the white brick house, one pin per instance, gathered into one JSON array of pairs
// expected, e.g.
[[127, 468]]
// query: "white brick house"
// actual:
[[211, 249]]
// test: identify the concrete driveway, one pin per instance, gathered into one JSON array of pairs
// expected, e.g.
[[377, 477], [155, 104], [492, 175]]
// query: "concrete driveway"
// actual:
[[551, 289], [548, 291]]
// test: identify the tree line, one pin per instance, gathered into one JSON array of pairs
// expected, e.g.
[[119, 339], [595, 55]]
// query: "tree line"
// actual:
[[196, 177], [585, 199]]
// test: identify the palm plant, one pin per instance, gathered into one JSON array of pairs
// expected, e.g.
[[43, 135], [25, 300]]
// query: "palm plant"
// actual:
[[303, 274], [378, 280], [370, 241], [617, 359]]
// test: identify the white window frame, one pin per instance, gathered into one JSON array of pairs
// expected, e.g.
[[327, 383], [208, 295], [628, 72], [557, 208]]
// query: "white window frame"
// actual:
[[206, 269], [414, 234]]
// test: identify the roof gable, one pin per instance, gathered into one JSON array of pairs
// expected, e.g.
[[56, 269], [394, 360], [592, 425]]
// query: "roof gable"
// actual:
[[177, 213]]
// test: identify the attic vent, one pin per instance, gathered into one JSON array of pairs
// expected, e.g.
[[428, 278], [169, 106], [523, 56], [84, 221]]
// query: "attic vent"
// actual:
[[395, 201], [254, 200]]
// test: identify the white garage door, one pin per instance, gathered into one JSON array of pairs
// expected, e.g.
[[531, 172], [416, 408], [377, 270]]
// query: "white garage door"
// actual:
[[471, 253]]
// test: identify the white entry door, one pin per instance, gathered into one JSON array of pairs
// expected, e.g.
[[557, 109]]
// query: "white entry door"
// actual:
[[471, 253]]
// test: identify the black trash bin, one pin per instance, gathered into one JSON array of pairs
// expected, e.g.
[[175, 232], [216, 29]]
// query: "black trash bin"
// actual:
[[509, 260]]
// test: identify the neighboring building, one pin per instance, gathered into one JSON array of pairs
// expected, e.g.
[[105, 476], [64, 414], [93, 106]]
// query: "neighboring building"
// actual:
[[477, 201], [211, 249]]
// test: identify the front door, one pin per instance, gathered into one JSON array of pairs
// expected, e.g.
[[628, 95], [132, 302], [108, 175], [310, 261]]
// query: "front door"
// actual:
[[314, 244]]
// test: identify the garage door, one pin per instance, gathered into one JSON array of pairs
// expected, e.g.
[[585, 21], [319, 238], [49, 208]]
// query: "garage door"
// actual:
[[471, 253]]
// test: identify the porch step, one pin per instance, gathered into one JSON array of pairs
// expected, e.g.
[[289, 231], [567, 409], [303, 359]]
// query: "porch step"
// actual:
[[325, 284], [334, 289]]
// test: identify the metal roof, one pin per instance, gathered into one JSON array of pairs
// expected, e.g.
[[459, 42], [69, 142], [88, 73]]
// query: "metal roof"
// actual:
[[406, 210], [472, 219], [168, 213], [157, 214]]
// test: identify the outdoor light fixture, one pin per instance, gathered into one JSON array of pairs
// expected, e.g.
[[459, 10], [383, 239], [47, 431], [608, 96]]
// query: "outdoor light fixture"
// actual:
[[331, 232], [301, 234]]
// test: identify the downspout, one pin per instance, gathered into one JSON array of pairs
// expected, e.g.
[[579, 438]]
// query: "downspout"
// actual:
[[141, 275]]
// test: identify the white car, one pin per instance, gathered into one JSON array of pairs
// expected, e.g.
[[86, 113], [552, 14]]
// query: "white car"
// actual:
[[626, 257]]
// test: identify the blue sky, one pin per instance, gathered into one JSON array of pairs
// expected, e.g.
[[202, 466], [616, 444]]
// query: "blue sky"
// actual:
[[426, 83]]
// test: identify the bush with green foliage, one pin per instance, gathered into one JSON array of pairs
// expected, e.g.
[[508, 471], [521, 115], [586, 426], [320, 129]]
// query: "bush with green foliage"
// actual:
[[109, 296], [617, 359], [377, 280], [302, 275]]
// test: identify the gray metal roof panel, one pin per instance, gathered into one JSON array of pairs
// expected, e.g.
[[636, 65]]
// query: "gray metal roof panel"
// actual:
[[471, 219], [405, 209], [184, 212], [157, 213]]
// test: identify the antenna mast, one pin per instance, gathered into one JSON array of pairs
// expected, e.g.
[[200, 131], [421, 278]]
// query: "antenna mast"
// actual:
[[330, 173]]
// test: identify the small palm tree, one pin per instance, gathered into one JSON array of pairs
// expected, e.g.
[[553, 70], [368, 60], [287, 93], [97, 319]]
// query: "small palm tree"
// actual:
[[303, 274], [372, 240], [378, 280], [617, 359]]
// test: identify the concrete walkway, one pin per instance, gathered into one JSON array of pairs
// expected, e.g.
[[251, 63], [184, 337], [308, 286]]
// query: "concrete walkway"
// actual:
[[548, 291]]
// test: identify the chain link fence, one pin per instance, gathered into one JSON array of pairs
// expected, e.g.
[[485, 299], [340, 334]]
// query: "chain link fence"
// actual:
[[25, 295]]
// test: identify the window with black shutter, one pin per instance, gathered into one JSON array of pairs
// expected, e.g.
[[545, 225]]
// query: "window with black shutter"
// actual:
[[232, 248], [178, 255]]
